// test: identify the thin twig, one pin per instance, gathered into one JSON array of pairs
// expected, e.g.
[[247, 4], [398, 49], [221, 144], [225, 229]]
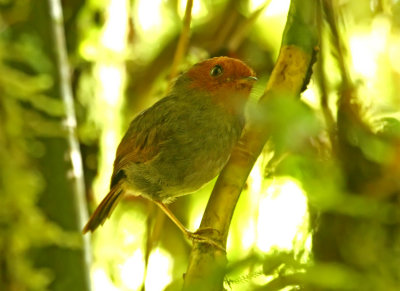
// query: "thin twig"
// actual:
[[322, 84], [330, 10], [182, 42], [242, 31]]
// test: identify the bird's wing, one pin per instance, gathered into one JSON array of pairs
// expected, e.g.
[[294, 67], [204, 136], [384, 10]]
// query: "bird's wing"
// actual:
[[145, 136], [137, 147]]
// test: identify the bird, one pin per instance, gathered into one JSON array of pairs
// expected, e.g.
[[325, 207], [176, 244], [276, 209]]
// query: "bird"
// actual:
[[183, 141]]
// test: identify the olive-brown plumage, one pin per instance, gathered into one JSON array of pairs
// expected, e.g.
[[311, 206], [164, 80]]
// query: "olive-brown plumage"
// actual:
[[182, 141]]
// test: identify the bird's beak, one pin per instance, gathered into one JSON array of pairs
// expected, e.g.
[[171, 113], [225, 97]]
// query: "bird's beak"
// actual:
[[251, 78], [247, 80]]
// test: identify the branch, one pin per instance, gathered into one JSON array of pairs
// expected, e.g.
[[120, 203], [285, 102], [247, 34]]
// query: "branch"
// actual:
[[287, 79], [183, 40], [323, 85], [242, 31]]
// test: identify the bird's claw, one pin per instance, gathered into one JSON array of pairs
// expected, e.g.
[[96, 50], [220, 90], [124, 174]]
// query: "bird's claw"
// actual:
[[195, 236]]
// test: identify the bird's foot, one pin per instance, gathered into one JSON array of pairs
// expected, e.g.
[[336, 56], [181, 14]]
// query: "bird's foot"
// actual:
[[199, 237]]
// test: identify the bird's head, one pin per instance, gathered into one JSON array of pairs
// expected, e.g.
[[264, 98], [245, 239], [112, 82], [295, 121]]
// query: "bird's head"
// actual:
[[226, 80]]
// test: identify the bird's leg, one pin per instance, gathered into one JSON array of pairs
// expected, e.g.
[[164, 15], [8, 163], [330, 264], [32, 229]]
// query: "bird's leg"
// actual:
[[186, 232]]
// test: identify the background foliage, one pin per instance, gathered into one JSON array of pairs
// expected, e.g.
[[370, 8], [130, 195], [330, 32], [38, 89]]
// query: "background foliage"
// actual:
[[320, 209]]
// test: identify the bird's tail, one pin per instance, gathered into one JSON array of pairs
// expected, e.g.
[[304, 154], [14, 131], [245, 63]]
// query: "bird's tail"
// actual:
[[105, 208]]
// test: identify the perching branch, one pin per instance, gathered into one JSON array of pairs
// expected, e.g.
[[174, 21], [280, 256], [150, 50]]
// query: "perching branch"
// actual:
[[206, 265]]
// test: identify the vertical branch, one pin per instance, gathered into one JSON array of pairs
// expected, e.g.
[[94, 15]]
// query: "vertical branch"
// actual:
[[206, 265], [330, 9], [322, 82], [183, 40], [62, 199], [67, 99]]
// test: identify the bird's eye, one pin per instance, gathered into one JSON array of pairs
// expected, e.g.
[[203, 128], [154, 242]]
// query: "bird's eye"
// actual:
[[216, 71]]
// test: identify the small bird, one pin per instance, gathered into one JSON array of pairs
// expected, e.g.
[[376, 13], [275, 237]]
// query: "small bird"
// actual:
[[183, 141]]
